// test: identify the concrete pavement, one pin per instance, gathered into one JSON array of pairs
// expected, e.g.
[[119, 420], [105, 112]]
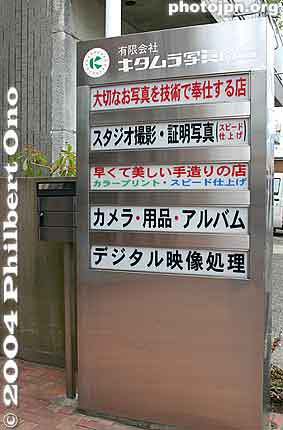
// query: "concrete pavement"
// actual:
[[277, 294], [42, 405]]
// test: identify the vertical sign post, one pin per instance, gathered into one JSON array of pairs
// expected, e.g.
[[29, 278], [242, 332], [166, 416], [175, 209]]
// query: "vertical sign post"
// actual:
[[174, 238]]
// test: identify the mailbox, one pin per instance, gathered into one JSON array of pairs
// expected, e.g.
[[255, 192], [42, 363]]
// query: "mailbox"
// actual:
[[56, 205], [57, 210]]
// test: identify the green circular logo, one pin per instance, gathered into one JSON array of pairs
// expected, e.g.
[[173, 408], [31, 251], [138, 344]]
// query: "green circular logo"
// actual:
[[96, 62]]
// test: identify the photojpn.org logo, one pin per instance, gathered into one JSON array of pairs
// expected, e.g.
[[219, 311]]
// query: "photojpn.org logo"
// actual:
[[96, 62]]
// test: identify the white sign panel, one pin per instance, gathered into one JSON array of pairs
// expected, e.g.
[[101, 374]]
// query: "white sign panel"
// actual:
[[178, 261], [170, 177], [169, 93], [170, 135], [170, 219]]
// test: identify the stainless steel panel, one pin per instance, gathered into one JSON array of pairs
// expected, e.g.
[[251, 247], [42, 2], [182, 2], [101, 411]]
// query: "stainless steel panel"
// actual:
[[156, 330], [239, 153], [83, 95], [260, 189], [70, 315], [173, 113], [171, 240], [105, 278], [237, 51], [158, 198]]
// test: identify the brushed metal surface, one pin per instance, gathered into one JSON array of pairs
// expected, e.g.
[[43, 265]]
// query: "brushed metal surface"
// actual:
[[231, 38], [170, 240], [215, 154], [149, 348], [173, 113], [260, 184], [83, 97], [70, 316], [163, 198], [149, 343], [101, 278]]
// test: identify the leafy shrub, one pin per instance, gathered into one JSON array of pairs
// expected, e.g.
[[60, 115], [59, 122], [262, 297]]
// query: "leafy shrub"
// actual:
[[33, 162]]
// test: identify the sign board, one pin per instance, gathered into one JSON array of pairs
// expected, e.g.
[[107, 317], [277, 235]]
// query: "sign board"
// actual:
[[170, 93], [170, 135], [174, 219], [189, 176], [174, 224], [162, 260]]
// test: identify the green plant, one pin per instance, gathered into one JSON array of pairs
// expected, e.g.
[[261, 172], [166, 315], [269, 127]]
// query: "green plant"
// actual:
[[279, 18], [276, 377], [33, 162], [65, 165]]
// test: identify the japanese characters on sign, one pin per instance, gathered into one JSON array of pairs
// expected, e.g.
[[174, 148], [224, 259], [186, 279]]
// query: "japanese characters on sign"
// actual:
[[145, 56], [148, 59], [176, 261], [170, 219], [147, 47], [169, 93], [185, 176], [170, 135], [170, 177]]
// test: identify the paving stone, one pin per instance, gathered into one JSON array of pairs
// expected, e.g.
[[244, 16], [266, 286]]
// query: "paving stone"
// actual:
[[278, 419], [28, 426], [88, 424]]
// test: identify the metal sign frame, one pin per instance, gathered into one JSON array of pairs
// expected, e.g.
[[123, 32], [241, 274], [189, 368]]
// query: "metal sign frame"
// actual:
[[243, 304]]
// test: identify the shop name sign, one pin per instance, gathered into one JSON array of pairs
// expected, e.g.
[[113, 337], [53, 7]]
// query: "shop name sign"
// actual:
[[148, 58], [170, 135], [169, 93], [153, 62]]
